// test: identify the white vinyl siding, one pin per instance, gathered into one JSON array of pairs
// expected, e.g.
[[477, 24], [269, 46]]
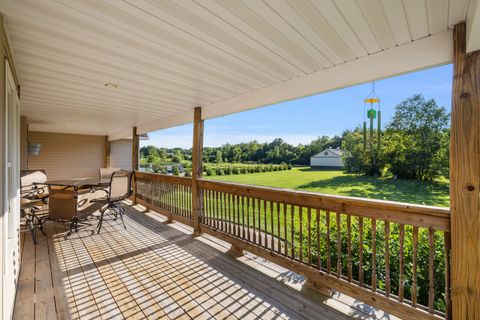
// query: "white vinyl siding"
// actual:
[[326, 158], [68, 156], [121, 154]]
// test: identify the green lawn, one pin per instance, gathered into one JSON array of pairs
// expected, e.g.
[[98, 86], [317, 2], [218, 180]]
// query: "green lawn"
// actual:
[[339, 183]]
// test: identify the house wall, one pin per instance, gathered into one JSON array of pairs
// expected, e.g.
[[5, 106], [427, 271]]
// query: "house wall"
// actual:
[[68, 156], [121, 154], [326, 162]]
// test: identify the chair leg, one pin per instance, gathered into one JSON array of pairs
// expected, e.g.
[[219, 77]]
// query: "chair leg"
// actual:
[[99, 225], [121, 212], [31, 227], [40, 223], [72, 226]]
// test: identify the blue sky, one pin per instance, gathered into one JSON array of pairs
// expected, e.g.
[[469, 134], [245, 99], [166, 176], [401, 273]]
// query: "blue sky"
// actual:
[[302, 120]]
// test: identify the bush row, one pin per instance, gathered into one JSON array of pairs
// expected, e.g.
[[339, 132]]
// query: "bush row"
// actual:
[[220, 170]]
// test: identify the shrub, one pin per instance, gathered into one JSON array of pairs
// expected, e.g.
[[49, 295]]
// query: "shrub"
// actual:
[[188, 173], [289, 167], [175, 171], [209, 171], [228, 170]]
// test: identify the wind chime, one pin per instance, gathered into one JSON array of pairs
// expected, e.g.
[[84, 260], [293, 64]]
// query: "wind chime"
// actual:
[[373, 103]]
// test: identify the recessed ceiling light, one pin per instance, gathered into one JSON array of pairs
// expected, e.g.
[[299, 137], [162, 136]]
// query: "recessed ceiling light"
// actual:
[[112, 85]]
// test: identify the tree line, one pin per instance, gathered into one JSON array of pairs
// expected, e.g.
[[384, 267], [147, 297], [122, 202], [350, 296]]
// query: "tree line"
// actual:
[[414, 145]]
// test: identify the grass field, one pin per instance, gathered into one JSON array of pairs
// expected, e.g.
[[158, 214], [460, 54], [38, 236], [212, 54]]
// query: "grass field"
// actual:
[[339, 183]]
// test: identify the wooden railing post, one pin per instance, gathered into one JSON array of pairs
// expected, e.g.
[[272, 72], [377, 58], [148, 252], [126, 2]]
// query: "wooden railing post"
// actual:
[[197, 159], [135, 161], [465, 180]]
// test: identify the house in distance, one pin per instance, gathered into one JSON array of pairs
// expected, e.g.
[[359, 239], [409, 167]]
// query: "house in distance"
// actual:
[[328, 159]]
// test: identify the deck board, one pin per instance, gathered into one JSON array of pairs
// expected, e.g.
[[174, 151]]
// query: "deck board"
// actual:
[[149, 271]]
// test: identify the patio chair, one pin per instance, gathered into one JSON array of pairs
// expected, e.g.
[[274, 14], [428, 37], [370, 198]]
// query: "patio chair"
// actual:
[[119, 190], [34, 200], [106, 173]]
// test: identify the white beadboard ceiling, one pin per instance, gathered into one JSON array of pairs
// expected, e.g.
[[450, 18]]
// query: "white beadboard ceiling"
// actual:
[[224, 55]]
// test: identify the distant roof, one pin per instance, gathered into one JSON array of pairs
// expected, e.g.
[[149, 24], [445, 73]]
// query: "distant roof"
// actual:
[[337, 152]]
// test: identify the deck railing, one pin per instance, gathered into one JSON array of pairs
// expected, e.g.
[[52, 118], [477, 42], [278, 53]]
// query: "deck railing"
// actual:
[[393, 256], [171, 195]]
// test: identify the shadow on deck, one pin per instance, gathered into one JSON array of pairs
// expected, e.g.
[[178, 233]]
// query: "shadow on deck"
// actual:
[[157, 270]]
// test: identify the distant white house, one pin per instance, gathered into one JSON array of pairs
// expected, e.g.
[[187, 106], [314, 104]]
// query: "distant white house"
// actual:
[[328, 159]]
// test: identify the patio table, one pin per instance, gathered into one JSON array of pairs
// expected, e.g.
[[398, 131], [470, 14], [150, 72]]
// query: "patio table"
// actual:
[[70, 198]]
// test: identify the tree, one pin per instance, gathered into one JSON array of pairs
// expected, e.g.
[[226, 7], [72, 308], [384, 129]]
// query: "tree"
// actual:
[[358, 160], [178, 157], [416, 141], [218, 157]]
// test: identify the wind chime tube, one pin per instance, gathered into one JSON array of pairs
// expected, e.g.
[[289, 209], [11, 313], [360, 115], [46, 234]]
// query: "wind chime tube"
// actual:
[[371, 130], [364, 135], [379, 130]]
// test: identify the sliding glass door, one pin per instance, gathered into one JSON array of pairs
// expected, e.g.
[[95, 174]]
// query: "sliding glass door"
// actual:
[[11, 191]]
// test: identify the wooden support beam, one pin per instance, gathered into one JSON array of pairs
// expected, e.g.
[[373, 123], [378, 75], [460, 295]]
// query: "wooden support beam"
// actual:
[[135, 161], [197, 159], [135, 149], [107, 152], [465, 180]]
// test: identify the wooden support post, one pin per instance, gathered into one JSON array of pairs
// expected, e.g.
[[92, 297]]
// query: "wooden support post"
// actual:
[[465, 180], [197, 159], [107, 152], [135, 160]]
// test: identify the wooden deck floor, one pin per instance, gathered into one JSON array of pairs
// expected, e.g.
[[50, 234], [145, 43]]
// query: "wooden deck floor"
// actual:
[[151, 270]]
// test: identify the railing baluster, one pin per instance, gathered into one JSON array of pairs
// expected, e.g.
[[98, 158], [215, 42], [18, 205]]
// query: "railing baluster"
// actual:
[[329, 261], [265, 229], [374, 255], [300, 247], [179, 201], [236, 211], [232, 214], [272, 239], [448, 306], [360, 251], [242, 198], [387, 259], [221, 211], [349, 246], [206, 208], [228, 213], [248, 219], [260, 233], [309, 218], [215, 206], [431, 257], [285, 242], [339, 245], [279, 249], [414, 265], [209, 199], [254, 221], [319, 260], [401, 281], [292, 229]]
